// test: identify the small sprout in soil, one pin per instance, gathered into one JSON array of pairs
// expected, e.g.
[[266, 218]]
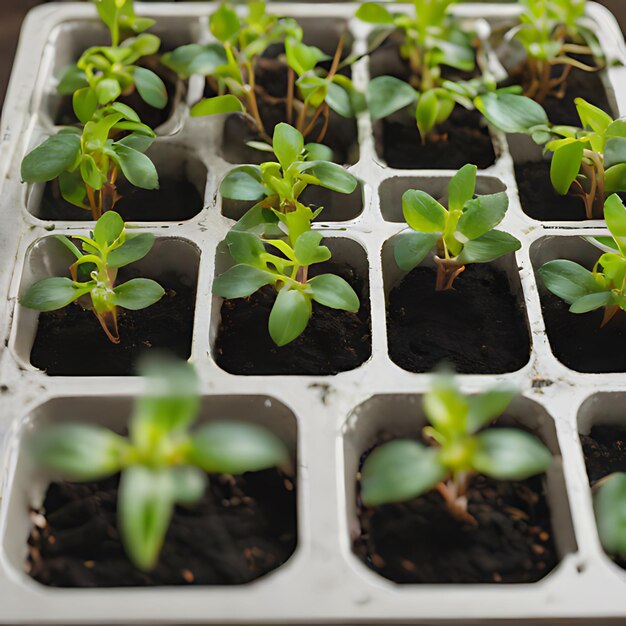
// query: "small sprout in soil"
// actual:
[[231, 67], [609, 503], [279, 185], [554, 35], [463, 233], [605, 286], [94, 274], [87, 165], [162, 462], [288, 272], [104, 73], [404, 469]]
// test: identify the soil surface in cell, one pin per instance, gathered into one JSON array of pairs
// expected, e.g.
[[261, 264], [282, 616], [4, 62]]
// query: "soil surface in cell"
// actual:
[[462, 139], [334, 341], [243, 528], [71, 342], [579, 341], [422, 542], [149, 115], [479, 326], [176, 200]]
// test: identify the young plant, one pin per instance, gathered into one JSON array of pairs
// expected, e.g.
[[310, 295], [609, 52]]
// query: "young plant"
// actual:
[[279, 185], [94, 274], [459, 448], [604, 286], [463, 233], [87, 163], [104, 73], [609, 503], [162, 462], [551, 32], [231, 65], [288, 271]]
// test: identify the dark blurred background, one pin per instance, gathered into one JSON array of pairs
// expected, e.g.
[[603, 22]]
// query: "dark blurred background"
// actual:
[[12, 13]]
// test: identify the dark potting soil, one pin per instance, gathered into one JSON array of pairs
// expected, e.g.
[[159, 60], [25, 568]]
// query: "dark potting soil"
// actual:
[[334, 341], [71, 342], [462, 139], [149, 115], [244, 527], [479, 326], [422, 542], [579, 341], [176, 200]]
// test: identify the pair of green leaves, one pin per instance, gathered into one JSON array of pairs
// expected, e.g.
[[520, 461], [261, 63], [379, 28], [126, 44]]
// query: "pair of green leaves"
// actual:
[[405, 469], [256, 267], [86, 160], [162, 463], [119, 15], [95, 271], [464, 231], [605, 286]]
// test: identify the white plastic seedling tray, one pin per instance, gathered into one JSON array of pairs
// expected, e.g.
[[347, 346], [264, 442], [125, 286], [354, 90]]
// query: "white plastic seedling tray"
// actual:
[[328, 420]]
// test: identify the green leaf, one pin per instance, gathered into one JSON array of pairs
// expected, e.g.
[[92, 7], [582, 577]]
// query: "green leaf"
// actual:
[[427, 112], [592, 302], [318, 152], [71, 80], [592, 117], [488, 247], [136, 141], [135, 247], [72, 188], [224, 23], [609, 505], [614, 152], [80, 451], [461, 187], [51, 294], [510, 454], [332, 176], [422, 212], [289, 317], [108, 228], [243, 183], [188, 484], [565, 166], [241, 281], [54, 156], [339, 100], [374, 13], [334, 292], [302, 58], [138, 169], [399, 471], [85, 103], [568, 280], [145, 507], [308, 250], [236, 448], [245, 247], [615, 179], [137, 294], [482, 214], [150, 87], [486, 407], [107, 90], [411, 248], [288, 144], [143, 45], [446, 407], [217, 106], [386, 95], [511, 113], [615, 216], [90, 173]]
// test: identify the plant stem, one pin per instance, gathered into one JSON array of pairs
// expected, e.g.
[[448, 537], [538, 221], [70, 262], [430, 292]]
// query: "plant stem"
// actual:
[[250, 91], [96, 212], [447, 272], [291, 79]]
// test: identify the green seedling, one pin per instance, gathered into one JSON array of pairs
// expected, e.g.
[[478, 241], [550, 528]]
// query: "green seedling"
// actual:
[[551, 33], [279, 185], [162, 462], [104, 73], [605, 286], [94, 274], [87, 163], [459, 447], [287, 269], [461, 234], [609, 503], [231, 66]]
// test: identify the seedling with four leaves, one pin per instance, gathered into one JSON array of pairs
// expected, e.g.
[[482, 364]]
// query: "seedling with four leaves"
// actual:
[[162, 461], [94, 275], [605, 286], [461, 234], [87, 164], [459, 447]]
